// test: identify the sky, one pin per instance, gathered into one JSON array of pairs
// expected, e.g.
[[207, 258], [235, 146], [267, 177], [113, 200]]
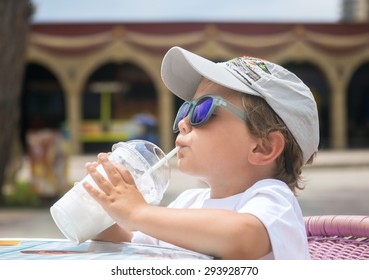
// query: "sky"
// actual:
[[186, 11]]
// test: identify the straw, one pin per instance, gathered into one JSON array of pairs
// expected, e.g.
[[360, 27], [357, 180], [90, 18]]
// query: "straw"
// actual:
[[167, 157]]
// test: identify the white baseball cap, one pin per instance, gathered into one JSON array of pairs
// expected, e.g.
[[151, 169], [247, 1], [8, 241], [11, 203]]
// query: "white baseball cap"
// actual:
[[285, 93]]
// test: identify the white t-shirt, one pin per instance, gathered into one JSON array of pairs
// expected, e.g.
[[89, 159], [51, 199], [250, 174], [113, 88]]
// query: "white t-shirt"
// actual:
[[271, 201]]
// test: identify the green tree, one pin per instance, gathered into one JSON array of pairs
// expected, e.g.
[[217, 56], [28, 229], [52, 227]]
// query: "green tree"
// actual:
[[15, 18]]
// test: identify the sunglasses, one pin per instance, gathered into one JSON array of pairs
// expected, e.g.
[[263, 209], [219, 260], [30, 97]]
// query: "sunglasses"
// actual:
[[200, 110]]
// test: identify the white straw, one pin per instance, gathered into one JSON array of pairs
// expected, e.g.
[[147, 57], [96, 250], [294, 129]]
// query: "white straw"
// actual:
[[167, 157]]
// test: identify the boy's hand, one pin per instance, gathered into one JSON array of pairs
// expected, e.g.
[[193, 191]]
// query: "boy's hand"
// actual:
[[119, 195]]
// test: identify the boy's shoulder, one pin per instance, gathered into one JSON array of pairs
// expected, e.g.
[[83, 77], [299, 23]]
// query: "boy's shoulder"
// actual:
[[269, 186]]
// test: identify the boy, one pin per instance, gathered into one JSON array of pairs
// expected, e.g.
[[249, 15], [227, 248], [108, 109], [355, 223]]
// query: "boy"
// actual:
[[246, 129]]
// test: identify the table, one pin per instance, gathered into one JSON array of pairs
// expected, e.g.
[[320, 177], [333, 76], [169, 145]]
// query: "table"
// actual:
[[63, 249]]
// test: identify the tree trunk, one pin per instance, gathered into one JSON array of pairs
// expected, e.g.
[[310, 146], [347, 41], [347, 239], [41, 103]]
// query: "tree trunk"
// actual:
[[14, 24]]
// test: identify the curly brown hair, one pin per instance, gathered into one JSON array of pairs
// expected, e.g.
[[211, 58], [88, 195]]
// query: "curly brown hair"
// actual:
[[264, 120]]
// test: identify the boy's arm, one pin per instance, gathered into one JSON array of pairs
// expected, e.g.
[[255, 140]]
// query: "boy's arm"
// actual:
[[220, 233]]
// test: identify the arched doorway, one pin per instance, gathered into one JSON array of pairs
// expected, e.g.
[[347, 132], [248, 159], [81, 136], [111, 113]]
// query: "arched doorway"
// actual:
[[43, 133], [119, 103], [314, 78], [42, 102], [358, 108]]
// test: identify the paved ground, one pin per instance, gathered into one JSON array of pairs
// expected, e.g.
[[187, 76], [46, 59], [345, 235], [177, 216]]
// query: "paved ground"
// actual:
[[338, 183]]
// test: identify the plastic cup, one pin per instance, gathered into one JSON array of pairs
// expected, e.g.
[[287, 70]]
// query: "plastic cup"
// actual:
[[79, 217]]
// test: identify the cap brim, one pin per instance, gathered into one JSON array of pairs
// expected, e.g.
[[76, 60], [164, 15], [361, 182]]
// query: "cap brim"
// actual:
[[182, 72]]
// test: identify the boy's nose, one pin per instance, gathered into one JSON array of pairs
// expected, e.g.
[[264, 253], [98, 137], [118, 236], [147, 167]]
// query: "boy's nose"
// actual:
[[184, 125]]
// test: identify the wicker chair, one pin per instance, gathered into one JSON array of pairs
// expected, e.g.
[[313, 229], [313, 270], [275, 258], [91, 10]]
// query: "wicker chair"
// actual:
[[338, 237]]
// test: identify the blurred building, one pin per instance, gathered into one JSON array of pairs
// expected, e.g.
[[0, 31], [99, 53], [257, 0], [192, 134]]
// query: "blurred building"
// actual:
[[91, 81], [355, 10]]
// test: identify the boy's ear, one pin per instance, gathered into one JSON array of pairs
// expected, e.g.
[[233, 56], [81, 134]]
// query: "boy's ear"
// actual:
[[267, 149]]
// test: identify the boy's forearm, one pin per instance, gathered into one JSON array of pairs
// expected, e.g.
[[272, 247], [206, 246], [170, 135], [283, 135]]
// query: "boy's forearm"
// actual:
[[219, 233]]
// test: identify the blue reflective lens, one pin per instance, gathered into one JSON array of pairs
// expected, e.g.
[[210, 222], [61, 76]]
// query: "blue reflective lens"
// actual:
[[201, 111], [182, 113]]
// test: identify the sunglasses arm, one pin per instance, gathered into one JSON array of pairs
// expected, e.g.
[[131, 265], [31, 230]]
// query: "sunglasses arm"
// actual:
[[233, 109]]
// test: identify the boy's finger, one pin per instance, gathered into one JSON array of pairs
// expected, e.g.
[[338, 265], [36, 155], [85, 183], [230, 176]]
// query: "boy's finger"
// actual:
[[96, 194], [99, 179], [126, 175], [111, 170]]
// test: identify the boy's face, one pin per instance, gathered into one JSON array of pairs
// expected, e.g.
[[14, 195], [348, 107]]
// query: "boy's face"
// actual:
[[219, 149]]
